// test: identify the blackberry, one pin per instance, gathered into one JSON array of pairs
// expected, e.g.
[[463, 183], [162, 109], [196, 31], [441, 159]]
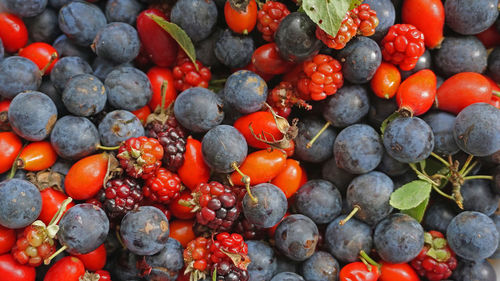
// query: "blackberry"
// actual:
[[229, 272], [120, 196], [249, 230], [216, 207], [172, 138]]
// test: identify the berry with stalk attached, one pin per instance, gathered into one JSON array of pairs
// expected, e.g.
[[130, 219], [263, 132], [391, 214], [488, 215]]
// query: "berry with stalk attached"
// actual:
[[140, 157], [403, 45], [436, 261]]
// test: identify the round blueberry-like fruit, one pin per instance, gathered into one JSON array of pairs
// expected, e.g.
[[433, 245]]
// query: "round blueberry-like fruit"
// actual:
[[474, 271], [442, 124], [380, 109], [74, 137], [83, 228], [287, 276], [358, 149], [321, 149], [167, 263], [66, 68], [234, 50], [321, 266], [319, 200], [32, 115], [198, 109], [477, 130], [84, 95], [370, 193], [270, 207], [408, 139], [296, 38], [386, 14], [81, 21], [118, 126], [223, 147], [43, 27], [360, 58], [496, 219], [460, 54], [391, 166], [438, 216], [494, 64], [25, 8], [423, 62], [196, 17], [339, 177], [347, 106], [117, 42], [296, 237], [263, 262], [145, 231], [245, 91], [470, 17], [346, 241], [398, 238], [128, 88], [478, 196], [66, 48], [18, 74], [205, 50], [472, 236], [123, 11], [20, 202]]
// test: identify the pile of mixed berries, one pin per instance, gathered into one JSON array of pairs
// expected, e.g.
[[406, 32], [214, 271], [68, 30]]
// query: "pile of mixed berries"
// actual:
[[224, 140]]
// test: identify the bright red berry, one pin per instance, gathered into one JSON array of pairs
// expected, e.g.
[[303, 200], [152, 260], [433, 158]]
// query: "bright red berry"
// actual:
[[42, 54], [13, 32], [187, 76], [163, 187], [33, 246], [347, 31], [197, 258], [365, 18], [403, 45], [417, 93], [140, 157], [436, 261], [269, 18], [323, 78], [283, 97], [230, 247]]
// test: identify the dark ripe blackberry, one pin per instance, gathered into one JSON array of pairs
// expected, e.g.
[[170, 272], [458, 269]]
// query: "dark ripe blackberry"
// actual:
[[120, 196], [172, 137], [248, 230], [229, 272], [218, 207]]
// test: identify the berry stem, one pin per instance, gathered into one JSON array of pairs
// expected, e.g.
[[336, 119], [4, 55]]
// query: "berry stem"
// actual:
[[496, 93], [469, 169], [440, 159], [53, 57], [351, 214], [107, 147], [367, 258], [440, 192], [49, 259], [163, 90], [466, 164], [422, 175], [55, 219], [479, 178], [246, 180], [311, 142], [14, 167]]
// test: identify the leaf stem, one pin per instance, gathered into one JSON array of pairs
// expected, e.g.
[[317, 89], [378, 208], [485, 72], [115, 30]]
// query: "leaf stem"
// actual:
[[440, 159], [440, 192], [479, 178], [425, 177]]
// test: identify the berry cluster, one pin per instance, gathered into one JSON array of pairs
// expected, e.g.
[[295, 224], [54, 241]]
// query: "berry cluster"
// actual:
[[269, 18], [323, 78], [403, 45], [436, 261], [140, 157]]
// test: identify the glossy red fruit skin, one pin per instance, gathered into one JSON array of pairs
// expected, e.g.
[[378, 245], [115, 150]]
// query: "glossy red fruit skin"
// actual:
[[66, 269], [260, 122], [428, 17], [13, 32], [490, 37], [12, 271], [41, 54], [266, 59], [157, 76], [158, 44], [397, 272], [94, 260], [194, 170], [51, 202], [242, 22], [182, 212], [417, 93], [462, 90], [7, 239], [10, 146], [358, 271]]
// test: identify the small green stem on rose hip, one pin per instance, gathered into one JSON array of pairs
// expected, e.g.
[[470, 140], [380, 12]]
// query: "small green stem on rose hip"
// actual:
[[496, 93], [246, 180], [367, 258], [479, 178], [311, 142], [440, 159], [55, 219], [107, 147], [353, 212], [49, 259]]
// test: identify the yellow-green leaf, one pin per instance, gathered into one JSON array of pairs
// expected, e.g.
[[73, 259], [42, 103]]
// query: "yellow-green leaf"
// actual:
[[419, 211], [178, 34], [410, 195], [328, 14]]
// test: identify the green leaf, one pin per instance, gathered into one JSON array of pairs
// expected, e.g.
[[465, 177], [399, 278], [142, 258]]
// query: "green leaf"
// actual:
[[387, 121], [328, 14], [410, 195], [419, 211], [355, 4], [178, 34]]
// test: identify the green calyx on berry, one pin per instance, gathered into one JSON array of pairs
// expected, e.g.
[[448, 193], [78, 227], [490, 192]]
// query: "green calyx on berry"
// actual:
[[437, 247]]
